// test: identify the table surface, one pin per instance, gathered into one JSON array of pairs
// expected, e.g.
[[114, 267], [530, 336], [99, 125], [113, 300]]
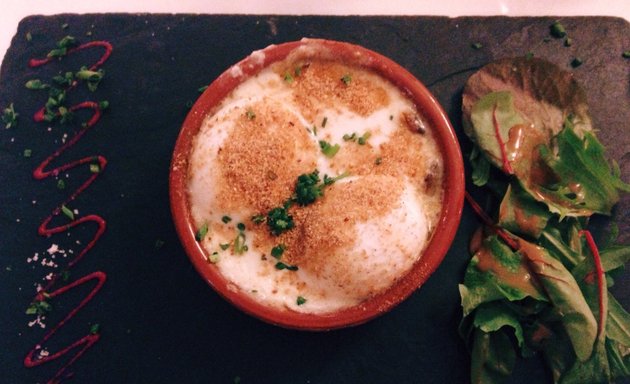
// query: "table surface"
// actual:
[[159, 322], [14, 10]]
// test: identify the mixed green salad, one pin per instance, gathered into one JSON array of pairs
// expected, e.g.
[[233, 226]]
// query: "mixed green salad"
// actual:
[[537, 282]]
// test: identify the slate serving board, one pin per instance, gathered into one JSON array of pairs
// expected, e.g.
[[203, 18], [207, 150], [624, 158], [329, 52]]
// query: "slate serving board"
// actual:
[[159, 322]]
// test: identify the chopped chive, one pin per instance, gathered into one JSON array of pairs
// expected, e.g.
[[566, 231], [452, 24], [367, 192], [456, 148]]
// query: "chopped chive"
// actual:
[[257, 219], [9, 117], [35, 84], [27, 152], [557, 30], [327, 149], [189, 104], [378, 161], [277, 251], [95, 168], [314, 130], [297, 71], [348, 137], [61, 184], [240, 226], [239, 244], [363, 139], [288, 78], [626, 54], [103, 104], [224, 246], [346, 79], [64, 26], [201, 89], [324, 122], [29, 37], [476, 45], [250, 114], [280, 266], [576, 62], [568, 42], [226, 219], [67, 212], [529, 55], [201, 232], [94, 329], [214, 257], [300, 300]]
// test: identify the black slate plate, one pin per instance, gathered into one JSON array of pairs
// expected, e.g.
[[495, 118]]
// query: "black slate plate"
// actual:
[[160, 323]]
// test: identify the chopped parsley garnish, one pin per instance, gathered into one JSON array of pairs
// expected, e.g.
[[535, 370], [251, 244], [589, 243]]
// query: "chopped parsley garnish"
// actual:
[[288, 78], [201, 232], [224, 246], [9, 117], [280, 266], [346, 79], [557, 30], [576, 62], [300, 300], [39, 307], [327, 149], [307, 188], [279, 220], [67, 212], [226, 219], [103, 104], [297, 71], [95, 328], [277, 251], [250, 114]]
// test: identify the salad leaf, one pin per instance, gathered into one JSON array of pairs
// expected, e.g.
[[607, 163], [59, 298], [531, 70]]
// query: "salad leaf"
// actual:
[[566, 297], [520, 213], [493, 357], [587, 183]]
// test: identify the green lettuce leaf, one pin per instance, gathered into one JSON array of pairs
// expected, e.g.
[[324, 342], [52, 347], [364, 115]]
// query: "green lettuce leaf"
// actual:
[[521, 214], [492, 357], [586, 184]]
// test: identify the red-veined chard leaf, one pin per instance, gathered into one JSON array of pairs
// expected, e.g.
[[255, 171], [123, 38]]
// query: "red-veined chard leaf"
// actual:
[[521, 214]]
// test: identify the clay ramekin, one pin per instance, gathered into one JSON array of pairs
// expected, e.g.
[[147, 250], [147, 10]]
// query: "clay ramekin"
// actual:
[[435, 249]]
